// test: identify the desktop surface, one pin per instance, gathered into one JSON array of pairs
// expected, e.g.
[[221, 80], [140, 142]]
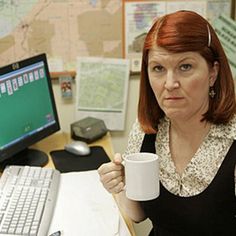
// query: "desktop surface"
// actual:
[[58, 140]]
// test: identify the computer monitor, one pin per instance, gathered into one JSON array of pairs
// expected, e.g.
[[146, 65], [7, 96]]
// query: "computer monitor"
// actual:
[[27, 111]]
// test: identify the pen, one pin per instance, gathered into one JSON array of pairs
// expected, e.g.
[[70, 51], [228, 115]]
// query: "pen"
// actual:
[[58, 233]]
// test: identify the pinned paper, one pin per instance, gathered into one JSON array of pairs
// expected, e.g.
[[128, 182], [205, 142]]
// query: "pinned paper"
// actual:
[[66, 86]]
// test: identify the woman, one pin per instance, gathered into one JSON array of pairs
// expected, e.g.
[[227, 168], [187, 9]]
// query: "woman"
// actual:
[[186, 114]]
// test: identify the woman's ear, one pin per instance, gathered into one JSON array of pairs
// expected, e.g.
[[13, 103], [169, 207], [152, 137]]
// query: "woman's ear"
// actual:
[[214, 73]]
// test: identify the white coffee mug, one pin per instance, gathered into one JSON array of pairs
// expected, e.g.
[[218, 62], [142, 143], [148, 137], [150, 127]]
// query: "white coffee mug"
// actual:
[[141, 176]]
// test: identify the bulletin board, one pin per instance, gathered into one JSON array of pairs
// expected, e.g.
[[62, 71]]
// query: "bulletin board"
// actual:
[[140, 14]]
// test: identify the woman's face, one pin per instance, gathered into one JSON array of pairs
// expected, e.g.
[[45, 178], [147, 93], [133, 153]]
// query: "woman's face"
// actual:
[[180, 82]]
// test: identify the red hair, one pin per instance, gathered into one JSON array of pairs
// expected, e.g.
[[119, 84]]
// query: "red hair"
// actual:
[[178, 32]]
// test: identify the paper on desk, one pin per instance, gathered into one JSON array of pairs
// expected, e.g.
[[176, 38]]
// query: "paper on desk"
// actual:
[[85, 208]]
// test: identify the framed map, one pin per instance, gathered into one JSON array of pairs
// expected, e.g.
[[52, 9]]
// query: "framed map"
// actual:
[[102, 88]]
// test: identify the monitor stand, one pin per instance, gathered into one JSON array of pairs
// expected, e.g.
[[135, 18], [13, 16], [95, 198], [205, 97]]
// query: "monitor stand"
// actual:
[[29, 157]]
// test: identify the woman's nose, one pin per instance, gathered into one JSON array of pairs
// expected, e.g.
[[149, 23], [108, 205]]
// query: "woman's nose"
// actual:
[[171, 81]]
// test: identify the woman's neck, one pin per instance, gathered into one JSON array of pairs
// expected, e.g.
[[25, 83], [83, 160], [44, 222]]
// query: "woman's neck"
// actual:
[[194, 127], [185, 140]]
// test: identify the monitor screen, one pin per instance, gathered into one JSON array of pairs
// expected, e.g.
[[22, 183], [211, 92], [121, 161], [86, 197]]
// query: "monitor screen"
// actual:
[[28, 110]]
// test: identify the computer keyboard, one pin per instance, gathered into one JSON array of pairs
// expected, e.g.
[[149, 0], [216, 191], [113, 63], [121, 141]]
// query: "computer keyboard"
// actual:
[[27, 199]]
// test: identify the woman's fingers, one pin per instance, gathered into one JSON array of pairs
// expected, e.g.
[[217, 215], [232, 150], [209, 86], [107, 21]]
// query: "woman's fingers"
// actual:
[[114, 183], [118, 158], [112, 175]]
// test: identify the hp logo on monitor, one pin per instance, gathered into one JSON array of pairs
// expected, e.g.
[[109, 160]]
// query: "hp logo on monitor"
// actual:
[[15, 66]]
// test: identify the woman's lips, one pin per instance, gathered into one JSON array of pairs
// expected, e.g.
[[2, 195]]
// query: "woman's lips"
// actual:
[[173, 98]]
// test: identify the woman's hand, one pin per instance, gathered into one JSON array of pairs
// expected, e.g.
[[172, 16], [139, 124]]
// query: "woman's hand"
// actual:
[[112, 178], [112, 175]]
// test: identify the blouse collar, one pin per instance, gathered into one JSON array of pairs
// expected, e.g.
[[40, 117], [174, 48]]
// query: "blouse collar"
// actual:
[[225, 131]]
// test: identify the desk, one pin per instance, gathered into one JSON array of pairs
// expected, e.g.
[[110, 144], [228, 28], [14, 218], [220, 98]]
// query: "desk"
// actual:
[[58, 140]]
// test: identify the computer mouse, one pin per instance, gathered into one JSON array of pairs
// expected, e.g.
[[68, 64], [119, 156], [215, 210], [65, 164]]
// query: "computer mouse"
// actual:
[[79, 148]]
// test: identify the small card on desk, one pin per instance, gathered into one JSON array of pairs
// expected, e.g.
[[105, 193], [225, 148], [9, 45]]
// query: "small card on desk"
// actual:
[[68, 162]]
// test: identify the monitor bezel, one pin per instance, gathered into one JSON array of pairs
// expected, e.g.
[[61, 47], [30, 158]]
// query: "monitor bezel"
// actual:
[[21, 145]]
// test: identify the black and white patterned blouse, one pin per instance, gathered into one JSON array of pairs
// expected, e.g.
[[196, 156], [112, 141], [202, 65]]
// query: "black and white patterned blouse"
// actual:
[[202, 168]]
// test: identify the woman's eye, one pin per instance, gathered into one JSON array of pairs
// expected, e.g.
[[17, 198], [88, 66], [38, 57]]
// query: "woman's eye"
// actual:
[[185, 67], [158, 68]]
